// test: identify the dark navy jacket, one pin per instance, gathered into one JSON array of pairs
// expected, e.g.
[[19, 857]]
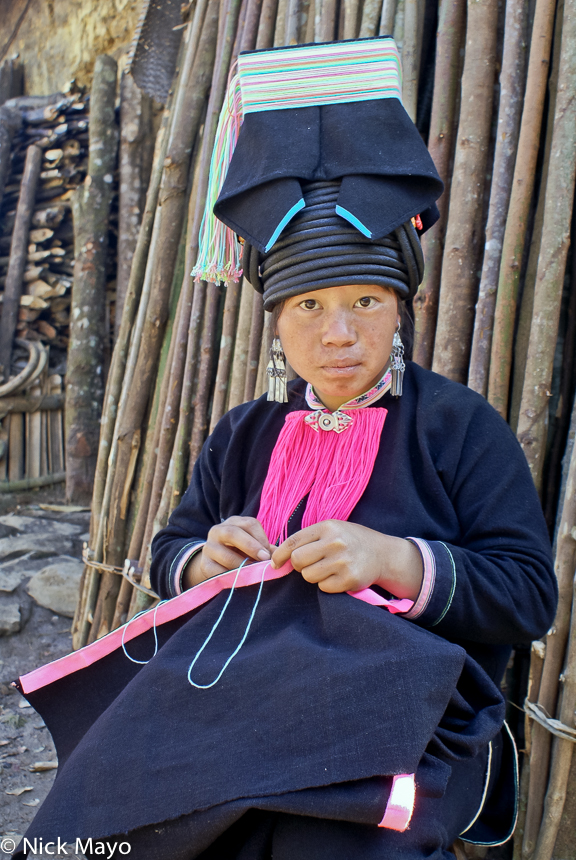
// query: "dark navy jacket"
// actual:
[[449, 471]]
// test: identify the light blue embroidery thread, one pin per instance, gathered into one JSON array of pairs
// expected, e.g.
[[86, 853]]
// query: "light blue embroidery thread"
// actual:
[[215, 627], [138, 614]]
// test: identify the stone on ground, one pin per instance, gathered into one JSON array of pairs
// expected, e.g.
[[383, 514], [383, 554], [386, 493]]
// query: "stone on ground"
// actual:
[[57, 586], [9, 619]]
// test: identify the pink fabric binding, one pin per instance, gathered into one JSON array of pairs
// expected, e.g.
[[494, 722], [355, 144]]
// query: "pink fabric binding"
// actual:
[[400, 804], [169, 610]]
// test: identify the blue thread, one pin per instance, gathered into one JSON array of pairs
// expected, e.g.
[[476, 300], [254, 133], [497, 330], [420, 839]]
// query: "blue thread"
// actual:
[[215, 627], [288, 217], [138, 614], [353, 220]]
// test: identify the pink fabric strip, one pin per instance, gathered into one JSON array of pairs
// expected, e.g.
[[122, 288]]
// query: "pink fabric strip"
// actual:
[[168, 611], [395, 605], [428, 580], [400, 804]]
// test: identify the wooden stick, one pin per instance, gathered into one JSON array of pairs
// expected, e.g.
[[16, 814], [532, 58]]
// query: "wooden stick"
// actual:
[[226, 352], [371, 12], [56, 424], [254, 346], [135, 164], [250, 31], [461, 253], [399, 25], [564, 565], [538, 652], [181, 448], [562, 749], [326, 20], [292, 22], [387, 18], [4, 445], [280, 27], [164, 424], [512, 79], [26, 403], [410, 57], [33, 440], [557, 450], [518, 211], [558, 205], [238, 377], [443, 122], [204, 374], [264, 358], [239, 32], [10, 123], [266, 25], [351, 8], [31, 483], [16, 450], [85, 367], [18, 254], [308, 36]]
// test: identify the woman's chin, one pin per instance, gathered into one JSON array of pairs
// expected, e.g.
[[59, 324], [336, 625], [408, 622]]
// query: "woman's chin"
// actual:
[[347, 384]]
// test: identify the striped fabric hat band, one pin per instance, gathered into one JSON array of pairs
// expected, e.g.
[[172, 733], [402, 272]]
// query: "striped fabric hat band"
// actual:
[[313, 75]]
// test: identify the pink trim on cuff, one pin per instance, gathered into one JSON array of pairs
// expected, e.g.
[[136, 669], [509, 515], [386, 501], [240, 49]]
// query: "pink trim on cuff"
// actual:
[[428, 580], [177, 575], [400, 804]]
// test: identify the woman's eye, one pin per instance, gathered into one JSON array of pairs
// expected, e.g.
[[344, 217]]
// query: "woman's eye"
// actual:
[[365, 302], [309, 304]]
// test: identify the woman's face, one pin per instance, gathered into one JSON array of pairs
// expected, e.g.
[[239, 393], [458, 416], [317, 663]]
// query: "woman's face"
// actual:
[[339, 338]]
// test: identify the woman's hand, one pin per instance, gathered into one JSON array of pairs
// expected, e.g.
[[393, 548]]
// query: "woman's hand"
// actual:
[[343, 556], [227, 546]]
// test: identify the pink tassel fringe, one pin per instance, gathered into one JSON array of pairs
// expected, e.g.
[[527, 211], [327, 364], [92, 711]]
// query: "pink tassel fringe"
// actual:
[[334, 468]]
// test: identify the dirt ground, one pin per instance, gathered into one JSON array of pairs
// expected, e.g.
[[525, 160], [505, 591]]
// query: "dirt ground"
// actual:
[[27, 755]]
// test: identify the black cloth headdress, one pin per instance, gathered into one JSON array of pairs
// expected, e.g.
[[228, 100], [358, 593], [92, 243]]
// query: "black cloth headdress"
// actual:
[[312, 124], [320, 249]]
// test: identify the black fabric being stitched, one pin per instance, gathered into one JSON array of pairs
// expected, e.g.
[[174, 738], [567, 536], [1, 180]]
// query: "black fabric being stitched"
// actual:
[[321, 249]]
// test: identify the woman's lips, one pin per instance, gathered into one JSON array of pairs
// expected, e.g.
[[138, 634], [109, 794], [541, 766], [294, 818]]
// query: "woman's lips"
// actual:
[[340, 370]]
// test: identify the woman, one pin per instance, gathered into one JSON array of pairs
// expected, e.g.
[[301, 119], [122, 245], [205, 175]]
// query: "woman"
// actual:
[[446, 517], [338, 698]]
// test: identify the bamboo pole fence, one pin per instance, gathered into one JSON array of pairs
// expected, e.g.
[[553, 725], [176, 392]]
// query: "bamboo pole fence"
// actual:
[[497, 309]]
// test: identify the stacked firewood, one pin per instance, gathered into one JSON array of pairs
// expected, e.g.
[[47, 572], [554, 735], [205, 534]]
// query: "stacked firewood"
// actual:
[[44, 162], [497, 310], [58, 124]]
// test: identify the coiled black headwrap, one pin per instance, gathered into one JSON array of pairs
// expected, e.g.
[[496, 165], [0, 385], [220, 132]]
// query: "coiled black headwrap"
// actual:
[[320, 249]]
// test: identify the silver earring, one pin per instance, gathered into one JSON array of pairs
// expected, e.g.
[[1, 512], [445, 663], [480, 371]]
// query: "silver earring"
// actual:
[[397, 365], [276, 372]]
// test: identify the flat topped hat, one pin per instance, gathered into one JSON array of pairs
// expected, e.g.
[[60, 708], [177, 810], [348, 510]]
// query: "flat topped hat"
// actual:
[[303, 118]]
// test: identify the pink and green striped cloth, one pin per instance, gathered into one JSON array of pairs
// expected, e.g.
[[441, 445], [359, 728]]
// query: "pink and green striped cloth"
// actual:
[[329, 73]]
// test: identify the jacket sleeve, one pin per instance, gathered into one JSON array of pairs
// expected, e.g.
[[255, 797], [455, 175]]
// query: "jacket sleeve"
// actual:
[[496, 583], [190, 523]]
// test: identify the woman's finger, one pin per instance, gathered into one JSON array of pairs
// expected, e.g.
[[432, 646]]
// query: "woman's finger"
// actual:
[[224, 556], [253, 527], [305, 536], [333, 584], [237, 537], [311, 556]]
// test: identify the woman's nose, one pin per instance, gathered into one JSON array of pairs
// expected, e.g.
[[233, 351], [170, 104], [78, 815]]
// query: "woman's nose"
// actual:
[[339, 330]]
